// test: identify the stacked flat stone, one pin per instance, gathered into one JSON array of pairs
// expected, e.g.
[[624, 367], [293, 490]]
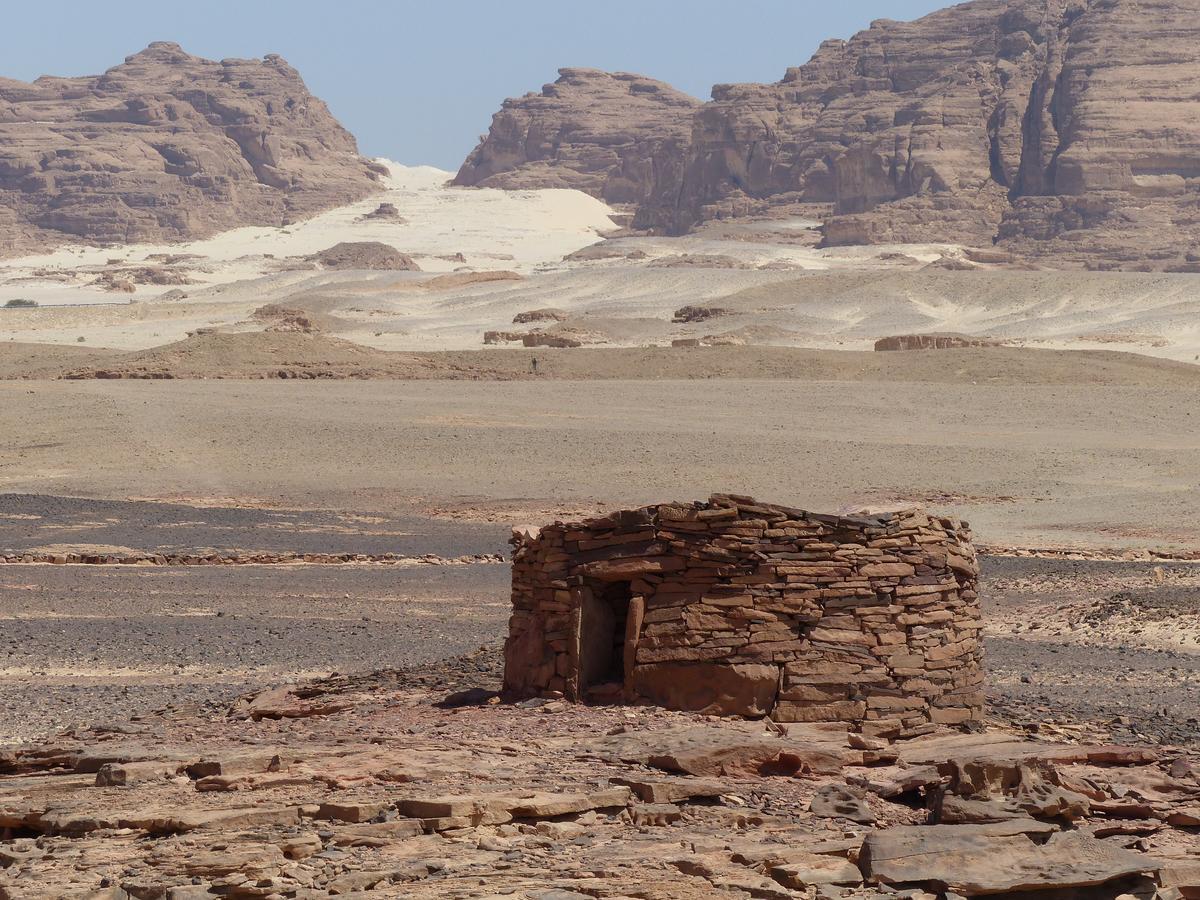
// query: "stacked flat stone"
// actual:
[[743, 608]]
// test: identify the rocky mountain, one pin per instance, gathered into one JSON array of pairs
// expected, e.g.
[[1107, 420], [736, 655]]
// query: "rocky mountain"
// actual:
[[1062, 129], [614, 135], [169, 146]]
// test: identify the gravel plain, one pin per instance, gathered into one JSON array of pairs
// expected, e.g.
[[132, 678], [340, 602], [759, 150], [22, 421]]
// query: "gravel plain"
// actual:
[[82, 644], [1077, 641], [445, 468], [1029, 465]]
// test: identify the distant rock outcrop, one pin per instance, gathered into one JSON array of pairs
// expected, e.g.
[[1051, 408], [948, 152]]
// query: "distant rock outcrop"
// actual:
[[549, 314], [689, 314], [1067, 130], [365, 255], [277, 317], [599, 132], [932, 342], [167, 147], [385, 212]]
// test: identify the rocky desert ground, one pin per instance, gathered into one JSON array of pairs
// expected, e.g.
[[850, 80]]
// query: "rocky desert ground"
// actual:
[[263, 659], [270, 413]]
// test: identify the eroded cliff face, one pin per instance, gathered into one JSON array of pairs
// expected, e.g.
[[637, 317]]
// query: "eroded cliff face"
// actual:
[[1111, 172], [1066, 129], [168, 146], [613, 135]]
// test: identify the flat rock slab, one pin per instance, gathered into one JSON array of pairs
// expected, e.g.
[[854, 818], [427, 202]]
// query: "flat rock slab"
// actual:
[[1184, 875], [892, 781], [990, 746], [835, 801], [286, 703], [814, 869], [470, 810], [970, 861], [672, 790], [709, 752], [1185, 818]]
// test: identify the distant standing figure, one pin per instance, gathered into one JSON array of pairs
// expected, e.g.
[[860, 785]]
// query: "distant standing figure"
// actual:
[[533, 365]]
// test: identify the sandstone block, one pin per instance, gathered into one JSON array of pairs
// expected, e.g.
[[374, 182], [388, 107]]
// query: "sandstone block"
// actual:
[[841, 711], [972, 861], [814, 870], [741, 690]]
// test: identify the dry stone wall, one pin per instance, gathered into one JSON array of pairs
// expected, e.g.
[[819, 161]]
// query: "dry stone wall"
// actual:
[[741, 608]]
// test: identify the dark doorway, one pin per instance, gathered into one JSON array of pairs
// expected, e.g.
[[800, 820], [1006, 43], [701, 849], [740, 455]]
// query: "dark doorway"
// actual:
[[603, 619]]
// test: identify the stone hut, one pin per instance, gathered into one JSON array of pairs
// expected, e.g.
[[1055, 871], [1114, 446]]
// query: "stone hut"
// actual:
[[743, 608]]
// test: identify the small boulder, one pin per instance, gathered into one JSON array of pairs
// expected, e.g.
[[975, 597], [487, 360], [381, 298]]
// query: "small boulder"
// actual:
[[836, 801], [111, 775], [372, 255], [549, 314], [386, 212], [655, 814]]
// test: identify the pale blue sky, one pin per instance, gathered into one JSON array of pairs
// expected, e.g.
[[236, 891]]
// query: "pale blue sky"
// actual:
[[419, 81]]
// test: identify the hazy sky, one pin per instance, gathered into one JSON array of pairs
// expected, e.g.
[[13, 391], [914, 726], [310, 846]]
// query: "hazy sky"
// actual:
[[418, 81]]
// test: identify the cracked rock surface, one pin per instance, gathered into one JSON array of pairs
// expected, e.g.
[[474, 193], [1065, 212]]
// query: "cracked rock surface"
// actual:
[[422, 783]]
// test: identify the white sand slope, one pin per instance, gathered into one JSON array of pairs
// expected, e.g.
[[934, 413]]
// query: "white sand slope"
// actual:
[[773, 283], [517, 230]]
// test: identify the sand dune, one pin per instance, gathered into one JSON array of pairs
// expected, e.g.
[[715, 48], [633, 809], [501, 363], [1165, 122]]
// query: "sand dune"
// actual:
[[518, 230]]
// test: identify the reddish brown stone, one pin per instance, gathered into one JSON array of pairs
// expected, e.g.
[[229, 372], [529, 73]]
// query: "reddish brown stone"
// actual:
[[749, 616]]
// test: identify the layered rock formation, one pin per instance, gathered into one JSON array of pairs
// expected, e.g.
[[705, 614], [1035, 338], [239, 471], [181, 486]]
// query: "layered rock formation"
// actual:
[[614, 136], [1068, 129], [168, 146]]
